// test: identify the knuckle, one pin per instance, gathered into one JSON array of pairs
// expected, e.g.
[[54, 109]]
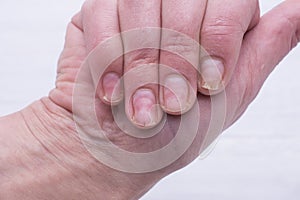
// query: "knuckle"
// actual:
[[141, 57], [285, 29], [223, 27], [179, 43], [282, 26], [186, 23]]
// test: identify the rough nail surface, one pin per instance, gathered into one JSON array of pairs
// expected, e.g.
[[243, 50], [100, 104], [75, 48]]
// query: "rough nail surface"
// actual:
[[145, 108], [111, 88], [176, 93], [212, 74]]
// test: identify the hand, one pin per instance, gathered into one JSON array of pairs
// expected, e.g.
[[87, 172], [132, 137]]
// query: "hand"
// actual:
[[259, 54], [218, 25]]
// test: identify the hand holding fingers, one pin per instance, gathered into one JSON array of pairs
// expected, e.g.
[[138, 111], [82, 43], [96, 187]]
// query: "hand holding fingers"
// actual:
[[217, 25], [262, 48]]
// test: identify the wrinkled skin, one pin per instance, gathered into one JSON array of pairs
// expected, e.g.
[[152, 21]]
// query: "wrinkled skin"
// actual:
[[219, 26], [262, 48]]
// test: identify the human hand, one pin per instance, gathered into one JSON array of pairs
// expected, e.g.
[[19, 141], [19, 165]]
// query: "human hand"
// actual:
[[219, 26], [258, 56]]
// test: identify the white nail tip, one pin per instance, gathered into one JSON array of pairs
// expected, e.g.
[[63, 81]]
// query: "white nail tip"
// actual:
[[212, 73]]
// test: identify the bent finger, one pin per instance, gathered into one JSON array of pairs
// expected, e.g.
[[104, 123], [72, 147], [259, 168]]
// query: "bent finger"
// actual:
[[100, 22], [141, 65], [178, 88], [222, 33]]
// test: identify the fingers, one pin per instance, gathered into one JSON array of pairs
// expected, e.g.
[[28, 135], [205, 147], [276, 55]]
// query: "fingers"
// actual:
[[100, 22], [178, 88], [141, 66], [222, 33], [268, 43]]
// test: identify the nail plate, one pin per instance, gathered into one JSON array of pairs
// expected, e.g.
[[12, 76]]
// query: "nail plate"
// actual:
[[112, 88], [212, 73], [176, 93], [145, 109]]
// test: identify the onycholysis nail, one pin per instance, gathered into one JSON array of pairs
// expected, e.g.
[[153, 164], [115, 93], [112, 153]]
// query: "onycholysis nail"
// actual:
[[176, 91], [112, 88], [212, 74], [146, 112]]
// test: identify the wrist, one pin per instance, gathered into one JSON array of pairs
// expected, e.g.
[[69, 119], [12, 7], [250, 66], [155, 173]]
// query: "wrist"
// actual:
[[54, 163]]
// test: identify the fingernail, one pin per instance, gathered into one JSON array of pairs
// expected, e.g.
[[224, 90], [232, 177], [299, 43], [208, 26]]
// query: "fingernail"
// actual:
[[176, 93], [212, 74], [146, 112], [112, 88]]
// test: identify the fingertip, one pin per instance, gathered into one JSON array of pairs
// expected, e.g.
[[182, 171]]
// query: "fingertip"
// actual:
[[177, 95], [110, 90], [145, 112], [212, 79]]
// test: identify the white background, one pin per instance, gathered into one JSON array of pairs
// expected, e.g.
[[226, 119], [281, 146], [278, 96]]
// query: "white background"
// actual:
[[258, 158]]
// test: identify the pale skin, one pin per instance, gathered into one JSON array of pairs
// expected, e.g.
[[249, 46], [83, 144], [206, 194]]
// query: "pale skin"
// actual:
[[219, 26], [41, 156]]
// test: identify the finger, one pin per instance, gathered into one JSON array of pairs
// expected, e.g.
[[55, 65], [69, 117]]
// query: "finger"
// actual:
[[141, 66], [267, 44], [100, 22], [178, 85], [223, 29]]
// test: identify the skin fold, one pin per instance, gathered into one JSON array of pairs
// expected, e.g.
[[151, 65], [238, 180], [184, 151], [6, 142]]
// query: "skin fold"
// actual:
[[219, 26], [41, 155]]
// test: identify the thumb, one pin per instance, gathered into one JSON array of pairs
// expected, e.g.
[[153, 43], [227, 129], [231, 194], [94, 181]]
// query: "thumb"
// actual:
[[277, 33]]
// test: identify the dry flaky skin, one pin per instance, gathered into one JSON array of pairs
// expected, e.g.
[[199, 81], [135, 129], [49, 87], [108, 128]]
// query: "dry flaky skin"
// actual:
[[42, 157]]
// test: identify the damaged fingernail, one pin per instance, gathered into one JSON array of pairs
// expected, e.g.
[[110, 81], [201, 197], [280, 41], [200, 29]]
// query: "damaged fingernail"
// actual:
[[176, 94], [112, 88], [146, 112], [212, 74]]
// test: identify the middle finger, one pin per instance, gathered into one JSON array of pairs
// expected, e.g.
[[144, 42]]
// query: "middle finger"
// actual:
[[178, 89], [141, 66]]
